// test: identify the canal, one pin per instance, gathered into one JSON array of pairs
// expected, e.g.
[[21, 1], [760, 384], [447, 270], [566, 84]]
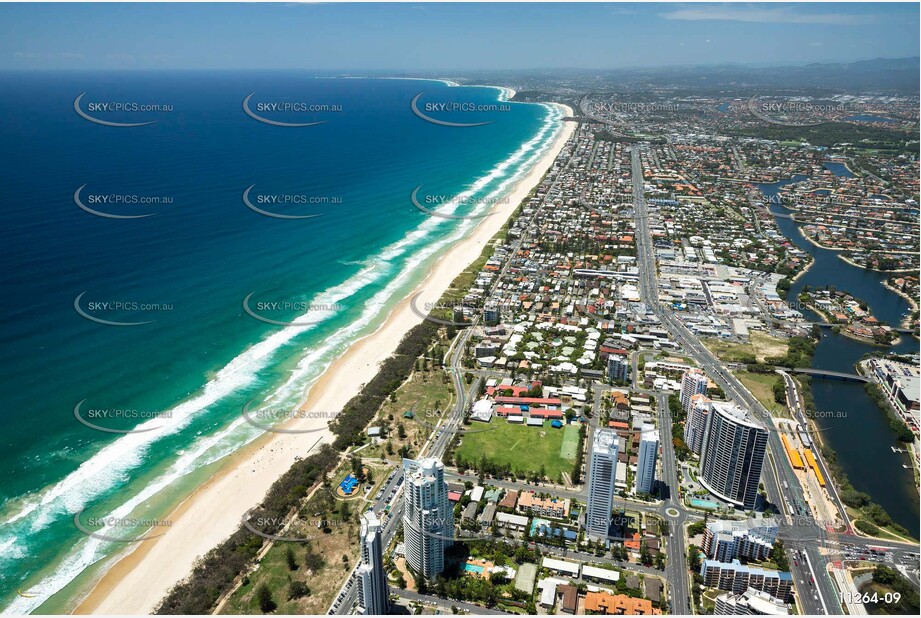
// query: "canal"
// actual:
[[850, 422]]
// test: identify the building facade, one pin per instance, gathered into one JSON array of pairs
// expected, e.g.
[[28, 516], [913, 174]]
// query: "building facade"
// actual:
[[601, 477], [693, 382], [372, 581], [646, 461], [725, 540], [696, 422], [618, 368], [428, 516], [732, 455], [737, 578]]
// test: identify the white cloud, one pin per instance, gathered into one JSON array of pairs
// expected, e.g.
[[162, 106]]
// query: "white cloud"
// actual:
[[781, 15]]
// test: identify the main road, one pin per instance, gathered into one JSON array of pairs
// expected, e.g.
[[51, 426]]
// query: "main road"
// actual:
[[824, 600], [676, 569]]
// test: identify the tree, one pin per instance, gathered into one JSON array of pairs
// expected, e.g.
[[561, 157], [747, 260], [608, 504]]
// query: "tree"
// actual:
[[289, 559], [264, 599], [298, 589], [780, 391], [779, 556], [694, 558], [645, 556]]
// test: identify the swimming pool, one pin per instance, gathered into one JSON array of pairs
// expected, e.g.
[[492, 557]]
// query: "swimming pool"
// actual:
[[704, 504], [474, 568]]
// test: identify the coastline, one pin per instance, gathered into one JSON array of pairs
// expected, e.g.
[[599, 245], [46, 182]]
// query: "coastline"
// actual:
[[137, 581]]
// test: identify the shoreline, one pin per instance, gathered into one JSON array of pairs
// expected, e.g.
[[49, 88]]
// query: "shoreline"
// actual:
[[906, 320], [804, 271], [138, 581], [911, 301], [843, 332], [802, 231], [872, 270]]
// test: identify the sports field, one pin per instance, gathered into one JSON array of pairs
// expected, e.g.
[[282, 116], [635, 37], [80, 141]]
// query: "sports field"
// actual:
[[523, 448], [570, 443]]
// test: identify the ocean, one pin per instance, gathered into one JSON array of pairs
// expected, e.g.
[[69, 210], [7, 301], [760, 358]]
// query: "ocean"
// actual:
[[136, 322]]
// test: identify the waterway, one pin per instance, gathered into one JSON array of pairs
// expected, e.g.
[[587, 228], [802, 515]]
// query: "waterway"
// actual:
[[850, 422]]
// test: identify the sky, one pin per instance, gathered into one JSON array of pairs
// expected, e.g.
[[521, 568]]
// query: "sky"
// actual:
[[432, 37]]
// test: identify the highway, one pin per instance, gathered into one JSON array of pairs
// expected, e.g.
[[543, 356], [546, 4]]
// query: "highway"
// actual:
[[676, 568], [825, 591]]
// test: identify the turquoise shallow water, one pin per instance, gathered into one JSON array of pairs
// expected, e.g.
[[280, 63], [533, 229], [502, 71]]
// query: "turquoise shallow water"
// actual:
[[188, 268]]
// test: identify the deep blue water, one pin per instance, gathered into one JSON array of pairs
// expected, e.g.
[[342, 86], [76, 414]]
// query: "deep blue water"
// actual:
[[838, 169], [203, 356]]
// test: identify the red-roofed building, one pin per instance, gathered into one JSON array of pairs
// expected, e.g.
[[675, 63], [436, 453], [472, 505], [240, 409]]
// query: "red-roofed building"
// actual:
[[545, 413], [604, 352], [517, 391], [531, 401]]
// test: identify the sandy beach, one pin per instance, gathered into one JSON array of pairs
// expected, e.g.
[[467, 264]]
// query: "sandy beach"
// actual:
[[140, 579]]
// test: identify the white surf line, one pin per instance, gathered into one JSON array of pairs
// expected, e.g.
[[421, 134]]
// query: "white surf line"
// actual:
[[89, 556]]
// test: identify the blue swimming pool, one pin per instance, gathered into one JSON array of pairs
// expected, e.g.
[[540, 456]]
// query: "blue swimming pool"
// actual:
[[704, 504], [473, 568]]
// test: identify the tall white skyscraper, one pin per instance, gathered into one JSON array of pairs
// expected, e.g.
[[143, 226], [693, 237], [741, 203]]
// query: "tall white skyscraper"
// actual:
[[732, 454], [372, 581], [693, 382], [646, 461], [601, 476], [696, 422], [428, 518]]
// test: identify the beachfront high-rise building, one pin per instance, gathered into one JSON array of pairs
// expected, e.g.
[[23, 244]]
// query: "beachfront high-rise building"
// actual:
[[372, 581], [428, 517], [696, 422], [646, 462], [601, 476], [693, 382], [732, 454]]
